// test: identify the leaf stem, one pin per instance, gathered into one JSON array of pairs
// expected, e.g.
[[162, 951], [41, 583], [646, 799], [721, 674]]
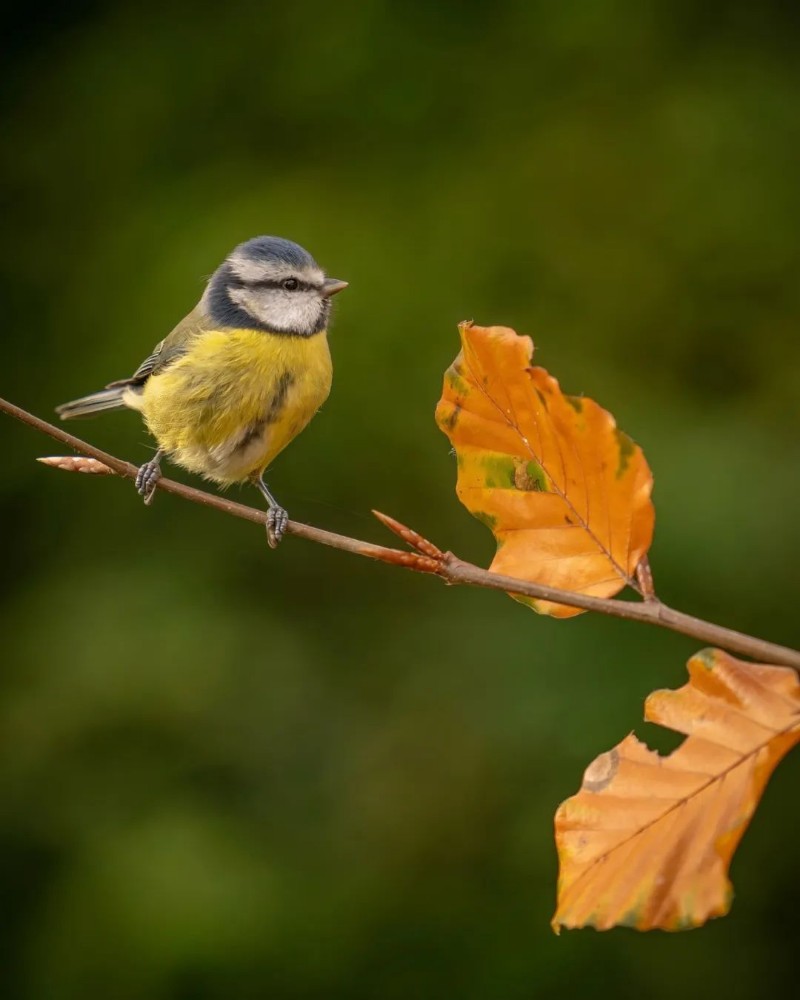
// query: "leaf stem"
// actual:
[[428, 559]]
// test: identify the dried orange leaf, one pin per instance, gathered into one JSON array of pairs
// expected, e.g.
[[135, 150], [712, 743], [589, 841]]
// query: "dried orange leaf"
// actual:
[[647, 841], [566, 494]]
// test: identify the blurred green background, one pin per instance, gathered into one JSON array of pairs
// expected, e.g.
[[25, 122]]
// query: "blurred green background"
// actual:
[[234, 773]]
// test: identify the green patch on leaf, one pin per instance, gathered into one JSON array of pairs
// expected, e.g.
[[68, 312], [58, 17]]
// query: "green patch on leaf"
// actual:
[[626, 449], [529, 476], [457, 382], [498, 471], [488, 519], [448, 423], [575, 402], [632, 917], [708, 657], [687, 920]]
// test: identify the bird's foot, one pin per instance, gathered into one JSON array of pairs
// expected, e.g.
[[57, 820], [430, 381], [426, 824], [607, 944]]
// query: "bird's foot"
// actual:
[[147, 479], [277, 519]]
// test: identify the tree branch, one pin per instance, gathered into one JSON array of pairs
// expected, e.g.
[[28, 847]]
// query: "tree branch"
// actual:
[[426, 558]]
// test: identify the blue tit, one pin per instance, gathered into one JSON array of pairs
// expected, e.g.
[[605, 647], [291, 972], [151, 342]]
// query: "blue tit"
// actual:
[[239, 377]]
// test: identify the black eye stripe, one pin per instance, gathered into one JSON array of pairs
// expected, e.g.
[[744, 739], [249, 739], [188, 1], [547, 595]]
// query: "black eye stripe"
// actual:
[[304, 286]]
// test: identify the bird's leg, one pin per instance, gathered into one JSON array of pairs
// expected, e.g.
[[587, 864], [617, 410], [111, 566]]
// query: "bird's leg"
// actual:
[[277, 518], [148, 476]]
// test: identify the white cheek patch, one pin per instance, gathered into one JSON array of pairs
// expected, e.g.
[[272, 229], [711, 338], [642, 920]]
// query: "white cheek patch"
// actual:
[[301, 311], [279, 310]]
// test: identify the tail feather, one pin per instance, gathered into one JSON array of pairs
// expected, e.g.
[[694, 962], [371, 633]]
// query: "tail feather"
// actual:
[[97, 402]]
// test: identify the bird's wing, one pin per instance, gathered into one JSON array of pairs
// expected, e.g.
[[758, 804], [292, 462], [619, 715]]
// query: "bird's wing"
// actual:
[[168, 350], [143, 372]]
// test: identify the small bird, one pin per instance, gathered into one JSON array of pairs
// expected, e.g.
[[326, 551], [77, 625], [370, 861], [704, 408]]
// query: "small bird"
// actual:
[[239, 377]]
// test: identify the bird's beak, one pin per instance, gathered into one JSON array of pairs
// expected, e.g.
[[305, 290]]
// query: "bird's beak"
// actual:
[[332, 286]]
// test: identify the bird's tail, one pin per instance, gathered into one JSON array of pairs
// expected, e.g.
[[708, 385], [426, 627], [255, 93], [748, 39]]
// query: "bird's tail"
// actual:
[[98, 402]]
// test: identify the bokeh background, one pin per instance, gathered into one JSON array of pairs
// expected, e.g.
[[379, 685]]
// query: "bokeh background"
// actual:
[[234, 773]]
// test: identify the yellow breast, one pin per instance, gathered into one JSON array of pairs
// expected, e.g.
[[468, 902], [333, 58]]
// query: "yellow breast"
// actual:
[[235, 399]]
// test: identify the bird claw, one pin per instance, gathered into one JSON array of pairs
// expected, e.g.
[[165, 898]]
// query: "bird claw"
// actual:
[[277, 519], [147, 479]]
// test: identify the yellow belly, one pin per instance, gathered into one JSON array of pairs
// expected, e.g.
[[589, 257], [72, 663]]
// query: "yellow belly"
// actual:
[[235, 399]]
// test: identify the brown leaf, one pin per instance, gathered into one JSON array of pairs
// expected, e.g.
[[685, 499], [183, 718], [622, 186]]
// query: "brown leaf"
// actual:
[[566, 494], [647, 840]]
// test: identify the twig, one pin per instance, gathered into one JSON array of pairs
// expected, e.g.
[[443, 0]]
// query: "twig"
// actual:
[[128, 471], [429, 559]]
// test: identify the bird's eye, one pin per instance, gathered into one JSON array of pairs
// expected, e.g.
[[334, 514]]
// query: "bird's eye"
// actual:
[[290, 284]]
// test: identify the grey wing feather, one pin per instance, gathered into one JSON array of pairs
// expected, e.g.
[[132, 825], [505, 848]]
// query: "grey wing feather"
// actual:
[[113, 396], [171, 347], [143, 372]]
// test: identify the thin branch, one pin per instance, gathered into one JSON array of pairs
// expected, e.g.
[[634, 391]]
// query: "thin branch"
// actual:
[[427, 558], [412, 560]]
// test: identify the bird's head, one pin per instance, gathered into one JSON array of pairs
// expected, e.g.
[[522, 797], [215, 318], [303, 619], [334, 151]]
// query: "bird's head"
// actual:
[[269, 283]]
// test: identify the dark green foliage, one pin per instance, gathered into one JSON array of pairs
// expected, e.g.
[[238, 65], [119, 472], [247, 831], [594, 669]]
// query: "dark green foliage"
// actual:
[[235, 773]]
